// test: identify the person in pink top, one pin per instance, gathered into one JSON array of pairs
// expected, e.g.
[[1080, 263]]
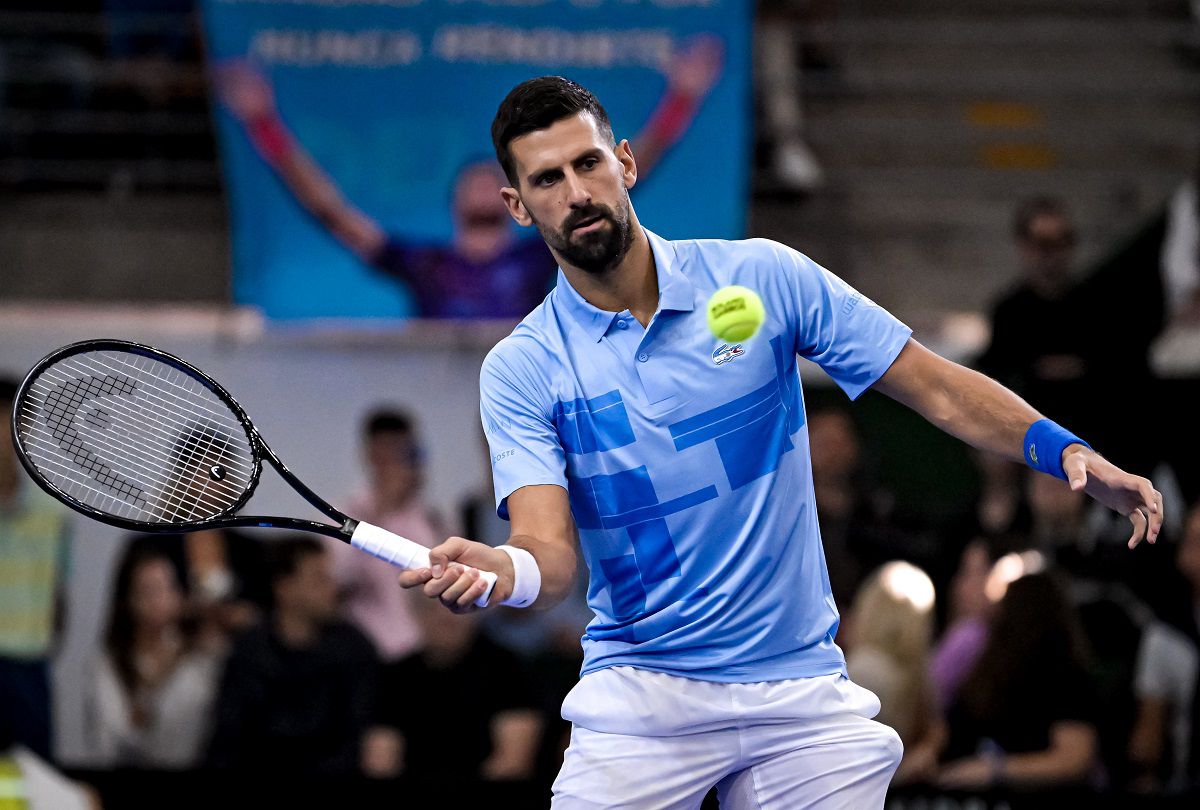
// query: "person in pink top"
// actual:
[[370, 598]]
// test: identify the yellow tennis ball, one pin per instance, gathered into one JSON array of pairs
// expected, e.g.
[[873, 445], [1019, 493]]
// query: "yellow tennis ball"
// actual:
[[735, 313]]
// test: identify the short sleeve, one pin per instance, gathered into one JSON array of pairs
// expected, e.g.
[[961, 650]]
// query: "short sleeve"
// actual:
[[847, 334], [524, 445]]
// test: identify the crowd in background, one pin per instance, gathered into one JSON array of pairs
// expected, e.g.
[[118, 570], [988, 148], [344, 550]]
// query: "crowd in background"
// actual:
[[1024, 645], [1016, 642]]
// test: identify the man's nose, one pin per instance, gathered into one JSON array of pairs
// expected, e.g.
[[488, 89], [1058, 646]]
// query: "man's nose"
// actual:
[[577, 194]]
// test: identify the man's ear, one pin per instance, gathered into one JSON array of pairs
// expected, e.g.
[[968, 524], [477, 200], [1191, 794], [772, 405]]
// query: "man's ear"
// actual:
[[624, 153], [516, 208]]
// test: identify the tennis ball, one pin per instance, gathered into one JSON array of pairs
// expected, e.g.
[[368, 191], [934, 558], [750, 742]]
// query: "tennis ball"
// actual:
[[735, 313]]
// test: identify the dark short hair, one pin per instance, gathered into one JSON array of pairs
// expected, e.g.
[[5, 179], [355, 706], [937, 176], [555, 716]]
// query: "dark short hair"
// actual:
[[8, 390], [285, 555], [536, 104], [388, 420], [1042, 205]]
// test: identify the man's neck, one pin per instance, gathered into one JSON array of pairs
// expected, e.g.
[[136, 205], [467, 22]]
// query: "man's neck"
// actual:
[[631, 285]]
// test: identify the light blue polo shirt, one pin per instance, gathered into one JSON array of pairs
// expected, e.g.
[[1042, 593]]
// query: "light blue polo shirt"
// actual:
[[686, 459]]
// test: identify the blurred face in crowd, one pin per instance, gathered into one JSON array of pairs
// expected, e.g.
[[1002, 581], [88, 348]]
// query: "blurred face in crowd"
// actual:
[[310, 591], [1188, 559], [1047, 248], [394, 464], [833, 444], [968, 589], [155, 598], [477, 210], [1053, 501], [573, 184]]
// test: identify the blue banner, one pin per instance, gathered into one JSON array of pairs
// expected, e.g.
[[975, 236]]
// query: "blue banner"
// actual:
[[356, 146]]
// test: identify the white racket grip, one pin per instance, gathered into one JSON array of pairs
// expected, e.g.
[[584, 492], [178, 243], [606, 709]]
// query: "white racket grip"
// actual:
[[403, 553]]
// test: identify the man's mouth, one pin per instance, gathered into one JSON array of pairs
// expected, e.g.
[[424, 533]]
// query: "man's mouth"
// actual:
[[588, 224]]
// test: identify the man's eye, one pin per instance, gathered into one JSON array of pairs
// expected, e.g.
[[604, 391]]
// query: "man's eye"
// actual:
[[590, 163]]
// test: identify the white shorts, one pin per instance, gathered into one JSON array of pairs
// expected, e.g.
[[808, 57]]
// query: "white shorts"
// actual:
[[651, 741]]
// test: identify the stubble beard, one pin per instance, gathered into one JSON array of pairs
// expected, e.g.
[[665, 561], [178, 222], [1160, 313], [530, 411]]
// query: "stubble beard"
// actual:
[[598, 251]]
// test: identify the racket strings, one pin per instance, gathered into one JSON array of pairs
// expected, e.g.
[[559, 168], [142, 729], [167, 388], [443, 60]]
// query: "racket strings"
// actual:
[[150, 452], [136, 438], [173, 500], [195, 445]]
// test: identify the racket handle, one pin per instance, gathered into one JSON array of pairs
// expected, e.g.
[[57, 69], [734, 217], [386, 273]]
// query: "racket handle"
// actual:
[[404, 553]]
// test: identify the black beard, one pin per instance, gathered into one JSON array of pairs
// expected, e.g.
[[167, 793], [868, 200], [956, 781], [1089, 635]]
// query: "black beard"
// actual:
[[595, 252]]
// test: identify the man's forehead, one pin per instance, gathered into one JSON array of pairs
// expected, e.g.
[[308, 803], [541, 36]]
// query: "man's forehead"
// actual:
[[557, 144]]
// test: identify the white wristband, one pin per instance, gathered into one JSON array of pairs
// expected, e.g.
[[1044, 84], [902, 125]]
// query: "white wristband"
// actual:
[[527, 577]]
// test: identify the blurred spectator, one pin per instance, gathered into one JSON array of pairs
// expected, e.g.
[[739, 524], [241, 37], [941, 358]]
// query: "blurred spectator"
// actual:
[[34, 549], [477, 515], [889, 654], [1181, 254], [966, 633], [149, 702], [460, 693], [1001, 510], [1039, 332], [370, 597], [1025, 716], [223, 573], [488, 271], [28, 782], [1080, 544], [853, 530], [298, 691], [1163, 747]]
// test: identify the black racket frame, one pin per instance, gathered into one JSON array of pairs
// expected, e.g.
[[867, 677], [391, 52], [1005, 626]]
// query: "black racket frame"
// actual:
[[258, 446]]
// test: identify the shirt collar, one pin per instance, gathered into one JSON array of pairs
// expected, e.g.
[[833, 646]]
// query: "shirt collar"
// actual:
[[675, 291]]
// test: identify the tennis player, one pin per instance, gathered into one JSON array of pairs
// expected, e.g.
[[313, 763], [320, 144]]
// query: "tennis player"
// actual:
[[683, 470]]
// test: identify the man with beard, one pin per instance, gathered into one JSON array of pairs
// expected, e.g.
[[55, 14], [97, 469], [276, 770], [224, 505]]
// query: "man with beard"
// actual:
[[710, 660]]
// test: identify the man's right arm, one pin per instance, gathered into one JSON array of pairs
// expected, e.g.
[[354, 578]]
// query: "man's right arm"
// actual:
[[541, 525]]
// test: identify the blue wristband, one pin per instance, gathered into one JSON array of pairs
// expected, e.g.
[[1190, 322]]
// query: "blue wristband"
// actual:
[[1044, 445]]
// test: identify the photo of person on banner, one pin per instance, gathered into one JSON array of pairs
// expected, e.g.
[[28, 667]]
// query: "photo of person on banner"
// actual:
[[488, 270]]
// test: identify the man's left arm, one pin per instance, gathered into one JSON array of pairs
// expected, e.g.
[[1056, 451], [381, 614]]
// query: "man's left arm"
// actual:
[[990, 417]]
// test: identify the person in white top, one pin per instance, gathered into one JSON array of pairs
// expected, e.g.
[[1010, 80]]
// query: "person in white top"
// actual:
[[150, 697], [1163, 747]]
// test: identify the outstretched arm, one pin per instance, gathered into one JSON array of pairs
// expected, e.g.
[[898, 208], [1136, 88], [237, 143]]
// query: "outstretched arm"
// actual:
[[246, 93], [986, 415], [691, 73]]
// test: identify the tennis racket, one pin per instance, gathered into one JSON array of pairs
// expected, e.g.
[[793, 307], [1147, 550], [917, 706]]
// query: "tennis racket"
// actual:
[[138, 438]]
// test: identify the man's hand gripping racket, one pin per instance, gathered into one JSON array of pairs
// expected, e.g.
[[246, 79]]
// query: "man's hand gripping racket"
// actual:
[[137, 438]]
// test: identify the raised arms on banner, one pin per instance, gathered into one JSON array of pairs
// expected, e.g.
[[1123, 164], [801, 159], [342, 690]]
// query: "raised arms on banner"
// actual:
[[247, 94], [691, 74]]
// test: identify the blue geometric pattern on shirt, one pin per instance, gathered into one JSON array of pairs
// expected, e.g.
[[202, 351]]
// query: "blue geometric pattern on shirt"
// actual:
[[627, 500], [751, 432], [592, 425]]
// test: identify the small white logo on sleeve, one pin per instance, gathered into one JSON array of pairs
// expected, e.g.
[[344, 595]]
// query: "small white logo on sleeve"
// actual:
[[724, 353], [1033, 453]]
